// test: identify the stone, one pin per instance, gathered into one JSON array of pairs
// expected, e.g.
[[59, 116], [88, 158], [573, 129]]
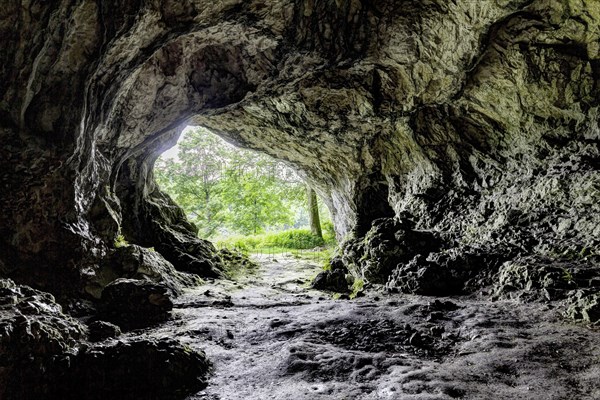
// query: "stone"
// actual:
[[420, 276], [483, 126], [132, 303], [584, 305], [102, 330], [161, 369], [387, 244], [34, 336], [43, 354], [535, 278], [157, 369], [136, 262], [334, 281]]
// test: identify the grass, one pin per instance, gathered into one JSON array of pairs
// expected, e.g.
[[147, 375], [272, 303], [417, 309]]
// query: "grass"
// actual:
[[296, 242], [293, 239], [357, 288]]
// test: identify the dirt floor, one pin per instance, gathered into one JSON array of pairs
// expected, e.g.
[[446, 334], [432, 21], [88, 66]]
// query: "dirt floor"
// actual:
[[270, 336]]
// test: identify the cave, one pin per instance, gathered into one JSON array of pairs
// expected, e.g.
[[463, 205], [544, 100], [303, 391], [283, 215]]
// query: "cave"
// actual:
[[456, 144]]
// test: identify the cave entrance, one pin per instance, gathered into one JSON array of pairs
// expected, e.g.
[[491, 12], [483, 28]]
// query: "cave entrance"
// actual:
[[244, 200]]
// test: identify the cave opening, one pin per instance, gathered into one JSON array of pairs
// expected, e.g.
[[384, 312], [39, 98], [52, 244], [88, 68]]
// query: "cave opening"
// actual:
[[244, 200], [456, 146]]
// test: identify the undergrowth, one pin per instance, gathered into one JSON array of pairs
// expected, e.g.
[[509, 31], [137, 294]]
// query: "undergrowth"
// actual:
[[293, 239]]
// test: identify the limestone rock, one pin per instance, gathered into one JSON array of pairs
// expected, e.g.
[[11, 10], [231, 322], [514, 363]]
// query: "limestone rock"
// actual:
[[34, 336], [480, 121], [43, 354], [136, 262], [101, 330], [584, 305], [420, 276], [387, 244], [334, 280], [134, 303], [458, 270], [530, 278], [160, 369], [156, 369]]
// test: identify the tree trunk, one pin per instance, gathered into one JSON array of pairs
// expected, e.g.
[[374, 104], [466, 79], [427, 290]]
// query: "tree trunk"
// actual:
[[313, 213]]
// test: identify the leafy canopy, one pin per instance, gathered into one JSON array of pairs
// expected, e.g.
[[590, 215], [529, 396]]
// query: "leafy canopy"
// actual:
[[227, 190]]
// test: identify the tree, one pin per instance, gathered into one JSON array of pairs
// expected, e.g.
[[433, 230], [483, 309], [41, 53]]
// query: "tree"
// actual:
[[313, 212], [226, 189], [192, 179]]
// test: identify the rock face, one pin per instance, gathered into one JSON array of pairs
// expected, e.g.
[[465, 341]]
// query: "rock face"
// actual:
[[132, 303], [478, 120], [43, 354]]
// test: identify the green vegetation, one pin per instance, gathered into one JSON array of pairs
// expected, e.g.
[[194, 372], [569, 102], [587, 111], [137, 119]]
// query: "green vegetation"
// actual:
[[298, 243], [236, 263], [120, 241], [567, 275], [276, 242], [357, 288], [228, 191]]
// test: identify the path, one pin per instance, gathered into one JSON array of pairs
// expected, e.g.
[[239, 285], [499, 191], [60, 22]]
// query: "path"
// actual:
[[270, 337]]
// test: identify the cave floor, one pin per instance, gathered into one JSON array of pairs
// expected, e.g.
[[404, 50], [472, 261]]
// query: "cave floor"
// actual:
[[271, 337]]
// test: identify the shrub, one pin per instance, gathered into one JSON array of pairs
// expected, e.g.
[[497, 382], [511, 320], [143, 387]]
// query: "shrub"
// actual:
[[296, 239], [292, 239]]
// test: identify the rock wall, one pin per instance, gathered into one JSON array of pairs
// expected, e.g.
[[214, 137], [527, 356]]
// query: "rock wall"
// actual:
[[478, 121]]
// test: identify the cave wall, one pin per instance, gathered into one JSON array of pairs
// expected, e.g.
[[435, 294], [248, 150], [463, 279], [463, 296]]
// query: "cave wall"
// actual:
[[476, 120]]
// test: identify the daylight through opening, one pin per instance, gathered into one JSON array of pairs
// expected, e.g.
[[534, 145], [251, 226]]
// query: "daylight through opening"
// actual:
[[243, 199]]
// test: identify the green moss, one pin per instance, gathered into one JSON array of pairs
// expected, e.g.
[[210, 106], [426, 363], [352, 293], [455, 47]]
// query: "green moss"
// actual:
[[236, 263], [357, 288], [120, 241]]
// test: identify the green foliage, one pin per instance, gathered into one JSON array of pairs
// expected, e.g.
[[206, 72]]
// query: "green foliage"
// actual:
[[236, 263], [567, 275], [293, 239], [226, 190], [328, 232], [120, 241], [239, 242], [357, 288]]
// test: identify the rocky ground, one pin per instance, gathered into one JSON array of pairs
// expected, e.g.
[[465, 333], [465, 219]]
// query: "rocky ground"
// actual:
[[269, 336]]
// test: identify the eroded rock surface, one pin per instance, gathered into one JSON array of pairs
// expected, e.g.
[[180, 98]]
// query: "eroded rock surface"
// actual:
[[276, 339], [134, 303], [44, 354], [477, 121], [480, 121]]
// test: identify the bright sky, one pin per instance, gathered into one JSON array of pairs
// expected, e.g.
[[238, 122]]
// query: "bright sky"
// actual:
[[172, 152]]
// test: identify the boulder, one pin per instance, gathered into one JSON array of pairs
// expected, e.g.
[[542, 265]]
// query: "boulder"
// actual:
[[334, 281], [102, 330], [388, 243], [132, 303]]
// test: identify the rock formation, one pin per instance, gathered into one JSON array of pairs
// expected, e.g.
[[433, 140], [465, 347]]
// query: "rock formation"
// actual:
[[43, 354], [455, 143], [478, 120], [481, 121]]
